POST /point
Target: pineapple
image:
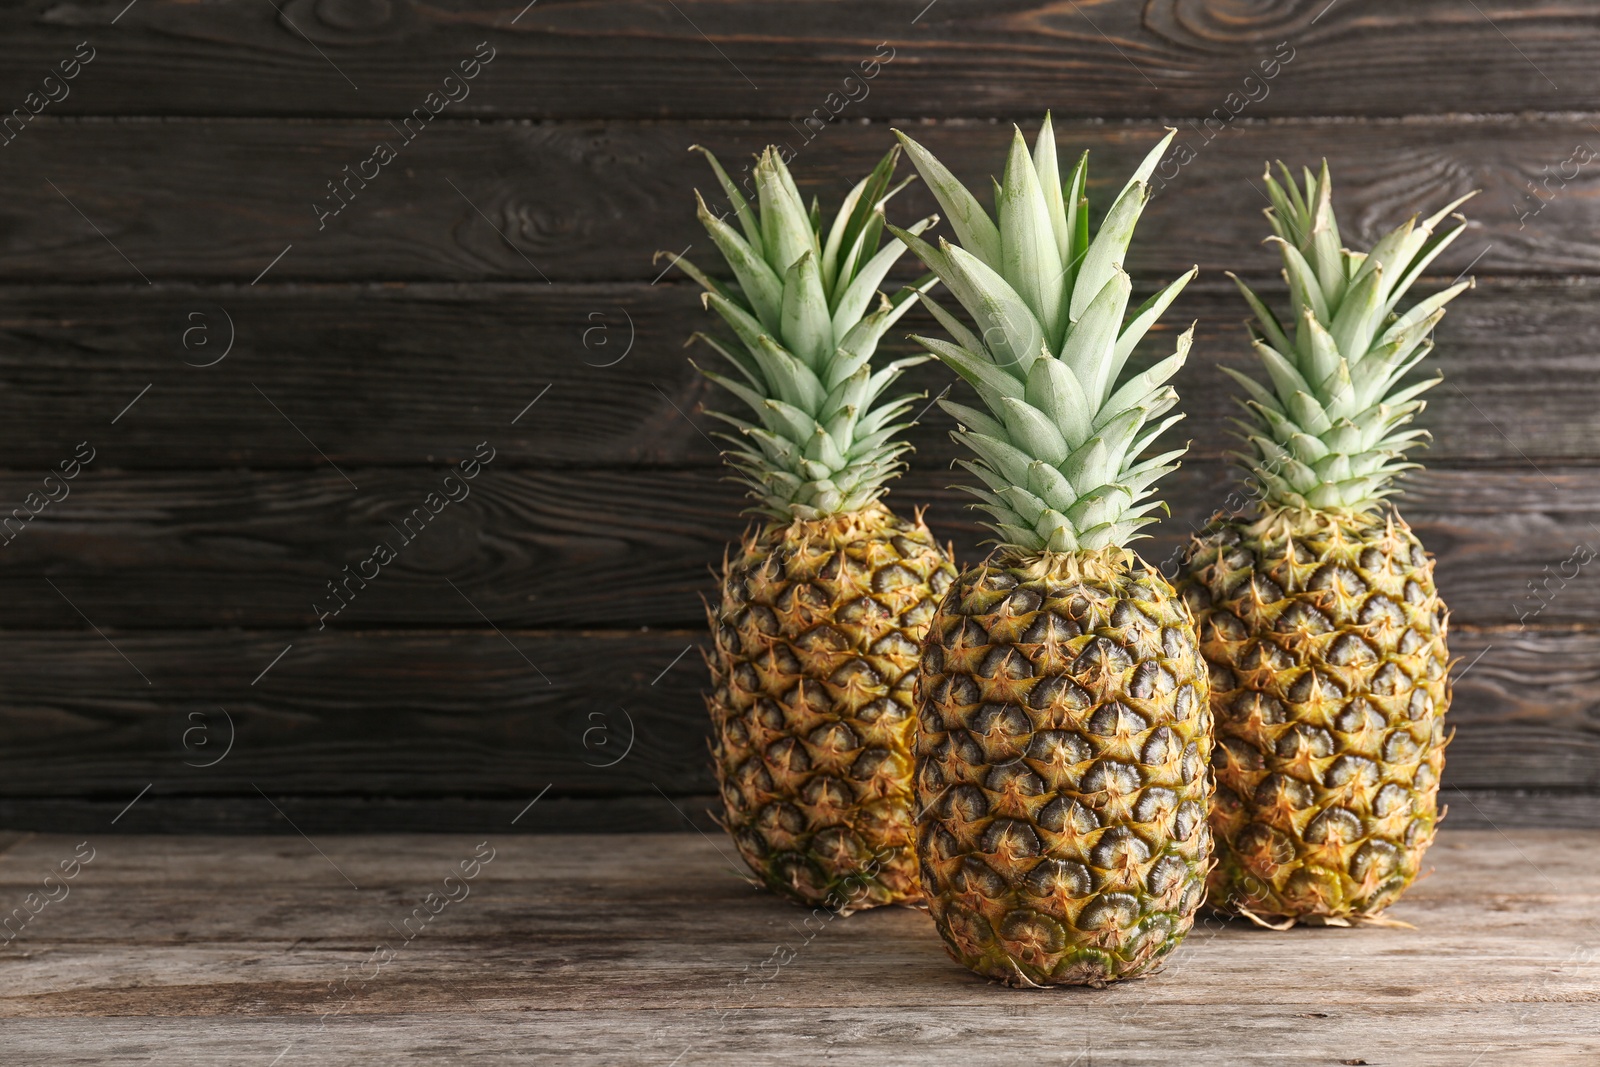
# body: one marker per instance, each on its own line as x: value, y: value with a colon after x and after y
x: 824, y: 605
x: 1064, y: 725
x: 1318, y: 612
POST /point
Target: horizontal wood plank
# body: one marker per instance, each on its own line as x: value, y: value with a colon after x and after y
x: 1551, y: 1034
x: 708, y: 58
x: 419, y: 374
x: 228, y: 813
x: 470, y: 714
x: 224, y: 199
x: 623, y: 548
x: 601, y: 949
x: 322, y: 813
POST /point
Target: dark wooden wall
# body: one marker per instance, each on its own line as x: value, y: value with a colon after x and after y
x: 162, y: 210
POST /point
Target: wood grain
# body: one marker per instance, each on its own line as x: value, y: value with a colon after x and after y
x: 603, y: 949
x: 394, y: 813
x: 1553, y: 1034
x: 716, y: 59
x: 652, y: 812
x: 221, y: 199
x: 468, y: 714
x: 495, y: 284
x: 621, y: 548
x: 419, y: 374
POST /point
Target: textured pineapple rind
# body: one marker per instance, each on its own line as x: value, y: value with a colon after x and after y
x: 1329, y: 684
x: 1064, y: 729
x: 816, y: 639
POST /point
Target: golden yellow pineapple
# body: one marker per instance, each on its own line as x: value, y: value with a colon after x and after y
x: 1064, y: 725
x: 817, y: 638
x: 822, y: 611
x: 1318, y: 612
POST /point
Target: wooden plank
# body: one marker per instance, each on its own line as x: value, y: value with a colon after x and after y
x: 620, y: 548
x: 1501, y: 809
x: 419, y: 374
x: 650, y: 812
x: 959, y: 57
x: 221, y: 199
x: 429, y: 713
x: 598, y: 949
x: 1213, y: 1036
x: 406, y: 713
x: 323, y: 813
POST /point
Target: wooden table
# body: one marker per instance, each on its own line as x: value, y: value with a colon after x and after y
x: 649, y: 949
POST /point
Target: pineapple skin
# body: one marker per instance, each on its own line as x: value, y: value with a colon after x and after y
x: 816, y: 640
x: 1064, y: 729
x: 1329, y: 685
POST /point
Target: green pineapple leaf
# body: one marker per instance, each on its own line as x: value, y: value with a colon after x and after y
x: 807, y: 316
x: 1044, y: 343
x: 1322, y: 430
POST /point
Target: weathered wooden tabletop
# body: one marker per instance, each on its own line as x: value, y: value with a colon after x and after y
x: 650, y: 949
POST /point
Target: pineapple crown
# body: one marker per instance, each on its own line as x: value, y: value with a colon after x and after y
x: 1330, y: 433
x: 804, y: 313
x: 1058, y: 447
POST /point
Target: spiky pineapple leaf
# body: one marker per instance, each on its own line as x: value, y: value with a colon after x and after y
x: 1322, y: 428
x: 1045, y: 341
x: 802, y: 308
